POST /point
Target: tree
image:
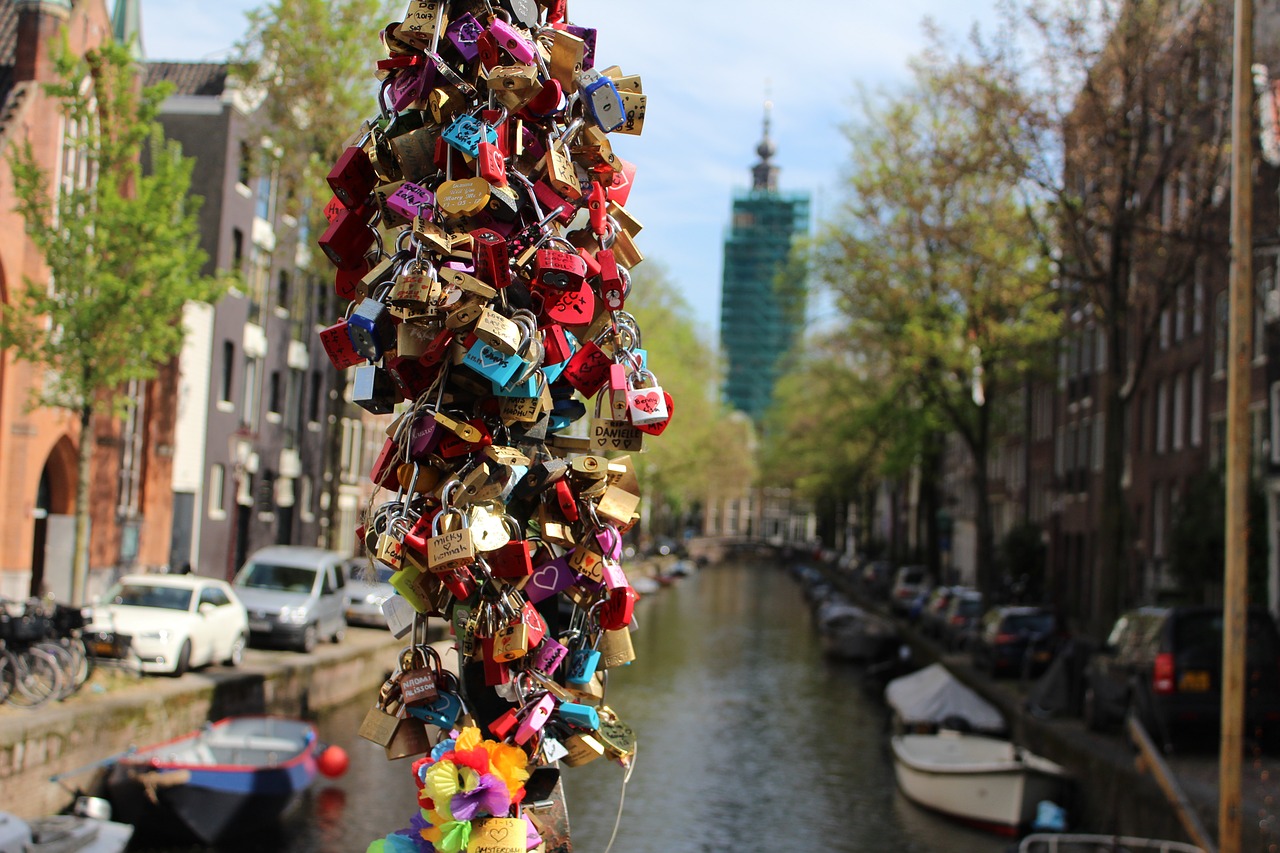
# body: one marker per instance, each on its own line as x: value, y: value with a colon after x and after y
x: 1114, y: 114
x: 706, y: 449
x: 314, y: 61
x: 121, y: 247
x: 1197, y: 540
x: 935, y: 265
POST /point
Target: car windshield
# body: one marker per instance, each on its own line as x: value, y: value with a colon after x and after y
x: 272, y: 576
x: 147, y: 595
x: 969, y: 606
x: 1198, y: 639
x: 1029, y: 623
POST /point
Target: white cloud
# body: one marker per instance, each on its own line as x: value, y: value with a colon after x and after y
x: 705, y: 67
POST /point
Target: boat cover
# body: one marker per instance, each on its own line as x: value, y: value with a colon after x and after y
x: 933, y: 694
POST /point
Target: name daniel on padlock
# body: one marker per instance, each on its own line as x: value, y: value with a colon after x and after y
x: 479, y: 231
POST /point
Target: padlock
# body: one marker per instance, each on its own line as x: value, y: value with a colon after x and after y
x: 336, y: 341
x: 587, y: 370
x: 444, y: 710
x: 503, y: 726
x: 617, y: 609
x: 644, y: 399
x: 449, y: 549
x: 352, y: 177
x: 603, y: 103
x: 616, y: 648
x: 511, y: 642
x: 410, y: 201
x: 579, y: 716
x: 371, y: 329
x: 491, y: 259
x: 617, y: 738
x: 373, y: 390
x: 582, y: 749
x: 510, y: 39
x: 548, y: 579
x: 583, y: 660
x: 462, y: 33
x: 547, y: 656
x: 347, y: 239
x: 419, y: 678
x: 424, y: 22
x: 498, y: 332
x: 380, y: 721
x: 634, y: 105
x: 533, y: 719
x: 410, y: 739
x: 560, y: 171
x: 609, y: 434
x: 513, y: 560
x: 513, y: 86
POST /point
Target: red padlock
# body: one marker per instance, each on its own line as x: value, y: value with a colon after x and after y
x: 559, y: 270
x: 384, y: 467
x: 511, y: 561
x: 556, y: 343
x: 347, y: 239
x: 438, y: 348
x: 574, y: 307
x: 352, y: 178
x: 337, y: 345
x: 491, y: 165
x: 411, y: 376
x: 588, y: 370
x: 495, y: 672
x: 616, y: 611
x: 566, y: 500
x: 598, y: 208
x: 491, y: 257
x: 502, y: 727
x: 611, y: 289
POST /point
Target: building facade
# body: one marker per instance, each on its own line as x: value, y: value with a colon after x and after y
x: 257, y: 457
x: 762, y: 308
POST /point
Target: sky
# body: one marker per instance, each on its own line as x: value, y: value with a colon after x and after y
x: 706, y: 68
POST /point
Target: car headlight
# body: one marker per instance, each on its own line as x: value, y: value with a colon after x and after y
x: 162, y: 635
x: 293, y: 615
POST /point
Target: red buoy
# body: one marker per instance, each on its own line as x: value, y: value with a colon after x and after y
x: 333, y: 762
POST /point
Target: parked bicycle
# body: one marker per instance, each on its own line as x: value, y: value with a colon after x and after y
x: 43, y: 656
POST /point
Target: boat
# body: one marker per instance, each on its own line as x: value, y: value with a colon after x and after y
x: 227, y: 778
x: 1052, y: 842
x: 850, y: 633
x: 983, y: 781
x: 933, y: 698
x: 62, y: 834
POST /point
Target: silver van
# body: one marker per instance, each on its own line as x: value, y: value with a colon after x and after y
x: 294, y: 596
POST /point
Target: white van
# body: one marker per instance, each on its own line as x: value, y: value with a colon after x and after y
x: 294, y: 596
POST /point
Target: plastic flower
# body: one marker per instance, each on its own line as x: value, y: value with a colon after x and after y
x: 442, y: 781
x: 468, y: 738
x: 450, y: 836
x: 509, y: 763
x: 489, y: 796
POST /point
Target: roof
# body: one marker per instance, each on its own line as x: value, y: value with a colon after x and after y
x: 189, y: 78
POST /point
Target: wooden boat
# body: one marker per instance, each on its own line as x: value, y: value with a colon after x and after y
x: 1052, y: 842
x: 62, y: 834
x: 932, y: 698
x: 848, y: 632
x: 228, y: 778
x: 986, y: 782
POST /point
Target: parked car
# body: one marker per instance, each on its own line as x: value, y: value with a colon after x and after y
x: 1017, y: 640
x: 961, y: 619
x: 1165, y: 665
x: 176, y: 621
x: 876, y: 576
x: 366, y: 588
x: 934, y: 610
x: 908, y: 583
x: 294, y: 596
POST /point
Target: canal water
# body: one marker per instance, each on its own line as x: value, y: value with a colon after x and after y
x: 749, y: 741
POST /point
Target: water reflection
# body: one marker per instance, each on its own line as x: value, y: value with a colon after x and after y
x: 749, y: 741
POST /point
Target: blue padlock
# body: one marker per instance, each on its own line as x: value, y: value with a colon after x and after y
x: 465, y: 133
x: 582, y: 666
x: 442, y: 713
x: 371, y: 329
x: 580, y: 716
x: 498, y: 367
x: 602, y: 100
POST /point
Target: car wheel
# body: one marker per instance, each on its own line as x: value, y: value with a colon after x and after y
x: 184, y: 659
x: 236, y: 656
x: 340, y: 633
x: 310, y: 636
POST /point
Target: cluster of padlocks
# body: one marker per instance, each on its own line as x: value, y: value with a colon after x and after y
x: 479, y: 231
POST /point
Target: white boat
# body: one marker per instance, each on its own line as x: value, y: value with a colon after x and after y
x: 62, y: 834
x: 1052, y: 842
x: 933, y: 698
x: 983, y: 781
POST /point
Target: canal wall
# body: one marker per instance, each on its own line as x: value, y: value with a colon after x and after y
x: 38, y: 744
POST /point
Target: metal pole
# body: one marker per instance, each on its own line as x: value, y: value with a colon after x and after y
x: 1240, y: 346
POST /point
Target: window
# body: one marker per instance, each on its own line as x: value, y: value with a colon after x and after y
x: 1157, y: 521
x: 1262, y: 287
x: 313, y: 402
x: 245, y: 160
x: 237, y: 250
x: 1179, y: 312
x: 282, y: 290
x: 1099, y: 439
x: 228, y: 371
x: 1220, y: 334
x: 1197, y: 299
x: 1217, y: 440
x: 217, y: 492
x: 1166, y: 325
x: 249, y: 406
x: 1179, y: 414
x: 1162, y: 416
x: 292, y: 392
x: 264, y: 207
x: 1197, y: 406
x: 306, y: 494
x: 274, y: 393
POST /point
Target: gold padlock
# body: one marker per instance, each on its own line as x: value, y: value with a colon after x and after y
x: 498, y: 835
x: 449, y: 549
x: 513, y: 86
x: 511, y: 643
x: 410, y: 739
x: 591, y: 692
x: 567, y: 54
x: 615, y: 648
x: 560, y: 171
x: 379, y: 724
x: 587, y: 562
x: 498, y: 332
x: 583, y: 749
x: 390, y: 550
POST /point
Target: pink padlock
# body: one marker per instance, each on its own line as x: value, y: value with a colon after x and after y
x: 612, y: 574
x: 535, y: 718
x: 510, y: 40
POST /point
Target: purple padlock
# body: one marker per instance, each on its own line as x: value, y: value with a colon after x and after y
x: 463, y: 33
x: 410, y: 84
x: 424, y: 435
x: 510, y: 40
x: 550, y: 578
x: 588, y: 36
x: 412, y: 200
x: 610, y: 542
x: 548, y: 656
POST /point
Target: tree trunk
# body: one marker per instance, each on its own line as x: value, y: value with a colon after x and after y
x: 80, y: 549
x: 980, y: 448
x: 1110, y: 569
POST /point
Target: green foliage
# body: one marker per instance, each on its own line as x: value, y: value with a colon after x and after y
x: 705, y: 447
x: 121, y: 246
x: 1197, y: 540
x: 313, y: 60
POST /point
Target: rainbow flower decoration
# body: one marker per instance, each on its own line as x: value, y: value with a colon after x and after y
x: 465, y: 778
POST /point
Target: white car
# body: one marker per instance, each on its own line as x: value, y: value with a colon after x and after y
x: 176, y: 621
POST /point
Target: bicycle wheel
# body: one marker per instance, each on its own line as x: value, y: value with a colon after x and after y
x: 84, y: 656
x: 8, y: 673
x: 67, y: 665
x: 39, y: 678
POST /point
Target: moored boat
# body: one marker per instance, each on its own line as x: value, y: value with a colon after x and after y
x: 1052, y: 842
x: 62, y: 834
x: 228, y: 778
x: 986, y: 782
x: 933, y: 698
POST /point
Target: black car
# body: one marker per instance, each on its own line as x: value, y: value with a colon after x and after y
x: 1019, y: 640
x: 1165, y: 665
